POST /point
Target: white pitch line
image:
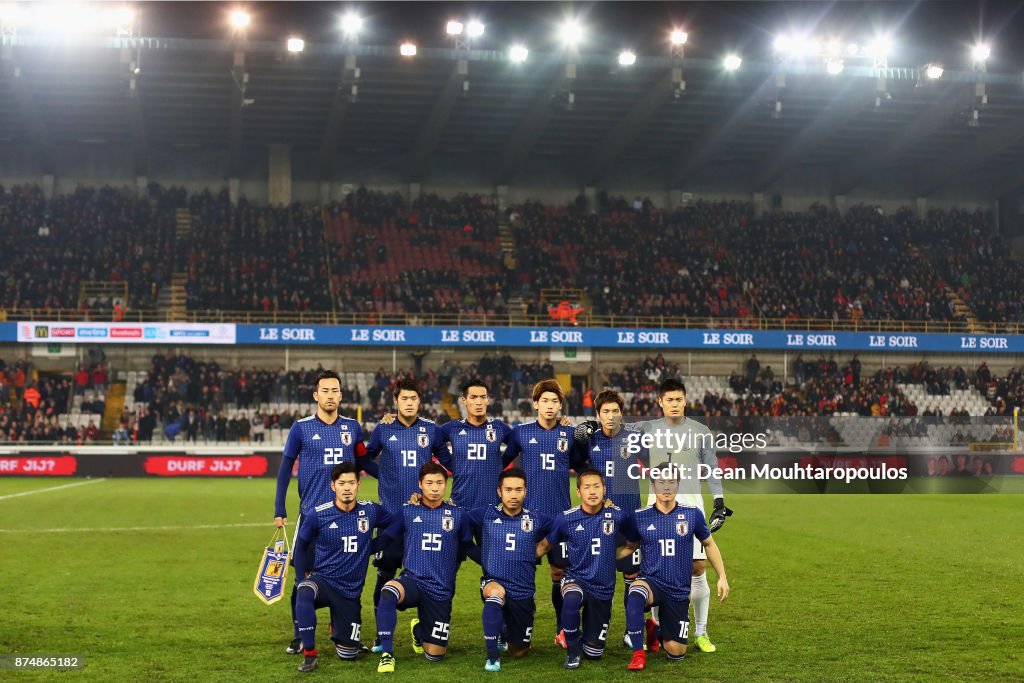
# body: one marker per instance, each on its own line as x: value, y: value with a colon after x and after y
x: 51, y: 488
x: 68, y: 530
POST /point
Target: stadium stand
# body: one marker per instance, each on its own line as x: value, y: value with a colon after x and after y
x: 51, y: 408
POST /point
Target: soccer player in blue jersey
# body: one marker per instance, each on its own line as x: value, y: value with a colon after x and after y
x: 435, y: 536
x: 609, y: 450
x: 319, y: 442
x: 341, y: 534
x: 401, y: 449
x: 665, y: 532
x: 546, y: 452
x: 589, y: 532
x: 507, y: 536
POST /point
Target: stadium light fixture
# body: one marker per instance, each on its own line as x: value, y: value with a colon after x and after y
x: 351, y: 24
x: 474, y: 29
x: 407, y: 49
x: 678, y: 37
x: 518, y: 54
x: 933, y: 71
x: 627, y: 58
x: 732, y: 62
x: 879, y: 48
x: 240, y: 20
x: 782, y: 44
x: 296, y: 45
x: 454, y: 28
x: 570, y: 33
x: 834, y: 66
x: 981, y: 52
x: 852, y: 49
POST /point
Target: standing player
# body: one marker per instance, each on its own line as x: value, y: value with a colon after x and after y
x: 507, y: 536
x: 546, y: 452
x: 589, y: 531
x: 698, y: 447
x: 609, y: 451
x: 320, y: 442
x: 401, y: 449
x: 434, y: 536
x: 664, y: 533
x: 341, y: 532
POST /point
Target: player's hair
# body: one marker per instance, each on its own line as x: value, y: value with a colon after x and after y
x: 344, y: 468
x: 551, y: 385
x: 433, y: 468
x: 671, y: 384
x: 608, y: 396
x: 511, y: 473
x: 326, y: 374
x: 470, y: 383
x: 407, y: 384
x: 589, y: 472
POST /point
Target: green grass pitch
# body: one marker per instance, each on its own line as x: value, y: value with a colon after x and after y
x: 837, y: 587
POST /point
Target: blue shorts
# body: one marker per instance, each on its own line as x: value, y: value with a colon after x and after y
x: 346, y: 613
x: 435, y: 615
x: 673, y: 615
x: 597, y: 614
x: 518, y: 615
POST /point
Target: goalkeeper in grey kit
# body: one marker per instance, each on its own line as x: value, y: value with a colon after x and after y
x: 692, y: 445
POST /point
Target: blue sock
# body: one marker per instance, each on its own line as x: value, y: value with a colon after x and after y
x: 636, y: 603
x: 295, y: 619
x: 556, y: 602
x: 572, y: 601
x: 387, y: 618
x: 305, y: 615
x: 492, y: 619
x: 382, y: 578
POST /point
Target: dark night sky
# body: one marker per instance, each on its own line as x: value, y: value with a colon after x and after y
x: 923, y: 31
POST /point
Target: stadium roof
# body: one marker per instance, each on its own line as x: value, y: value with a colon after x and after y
x: 770, y: 125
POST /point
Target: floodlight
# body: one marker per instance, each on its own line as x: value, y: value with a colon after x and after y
x: 518, y: 54
x: 981, y: 52
x: 351, y: 24
x: 240, y: 19
x: 474, y: 29
x: 933, y: 71
x: 732, y: 62
x: 834, y: 66
x: 627, y: 58
x: 454, y: 28
x: 407, y: 49
x: 678, y: 37
x: 570, y: 33
x: 296, y: 45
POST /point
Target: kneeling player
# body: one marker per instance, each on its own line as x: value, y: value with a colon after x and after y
x: 435, y: 538
x: 341, y: 532
x: 589, y: 532
x: 508, y: 536
x: 664, y: 532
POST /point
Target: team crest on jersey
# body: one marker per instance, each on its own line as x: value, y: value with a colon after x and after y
x: 363, y: 524
x: 682, y: 528
x: 447, y: 523
x: 423, y: 440
x: 563, y: 445
x: 492, y: 435
x: 624, y: 451
x: 346, y: 438
x: 527, y: 524
x: 608, y: 527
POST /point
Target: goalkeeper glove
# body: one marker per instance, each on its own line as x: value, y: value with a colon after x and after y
x: 585, y: 430
x: 717, y: 518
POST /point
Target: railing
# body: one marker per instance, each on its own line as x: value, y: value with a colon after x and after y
x: 516, y: 320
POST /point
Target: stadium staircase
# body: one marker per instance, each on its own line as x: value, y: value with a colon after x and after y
x: 508, y: 242
x: 172, y: 300
x: 448, y: 404
x: 960, y: 306
x: 112, y: 410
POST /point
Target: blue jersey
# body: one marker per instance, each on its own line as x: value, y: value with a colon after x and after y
x: 546, y: 455
x: 402, y: 451
x: 508, y: 547
x: 476, y: 460
x: 590, y: 546
x: 319, y: 447
x: 343, y: 541
x: 610, y: 457
x: 666, y: 543
x: 435, y: 539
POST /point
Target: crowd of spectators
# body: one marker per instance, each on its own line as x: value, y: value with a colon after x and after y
x: 49, y: 247
x: 31, y: 404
